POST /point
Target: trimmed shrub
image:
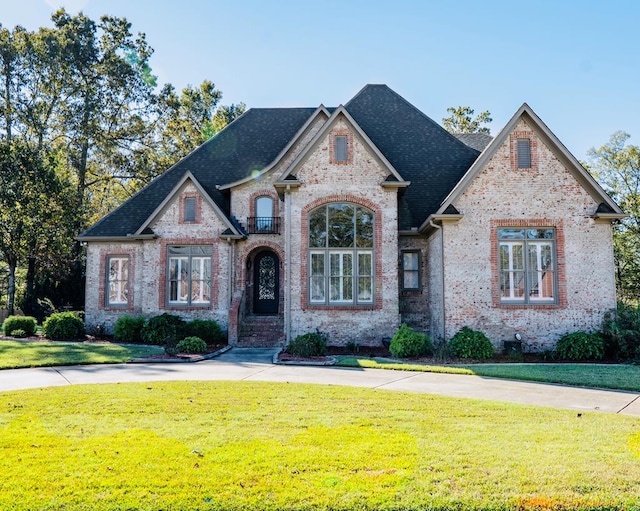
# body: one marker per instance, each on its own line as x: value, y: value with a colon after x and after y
x: 580, y: 346
x: 621, y: 332
x: 14, y: 323
x: 63, y: 326
x: 192, y: 344
x: 313, y: 344
x: 407, y: 343
x: 19, y: 333
x: 473, y: 344
x: 128, y: 328
x: 163, y: 330
x: 207, y: 329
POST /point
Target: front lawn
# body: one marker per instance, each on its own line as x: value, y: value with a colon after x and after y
x: 14, y: 354
x: 609, y: 376
x: 282, y: 446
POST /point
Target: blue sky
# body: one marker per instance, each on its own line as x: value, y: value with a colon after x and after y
x: 574, y: 62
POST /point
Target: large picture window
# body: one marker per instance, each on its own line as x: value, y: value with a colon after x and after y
x: 189, y: 275
x: 527, y: 265
x: 117, y: 293
x: 341, y: 255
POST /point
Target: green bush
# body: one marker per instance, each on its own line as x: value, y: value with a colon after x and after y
x: 19, y: 333
x: 192, y: 344
x: 25, y: 323
x: 313, y: 344
x: 407, y: 343
x: 580, y: 346
x: 468, y: 343
x: 63, y: 326
x: 208, y: 330
x: 128, y: 328
x: 163, y: 330
x: 621, y: 332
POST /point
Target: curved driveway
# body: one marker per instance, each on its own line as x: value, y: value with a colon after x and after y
x: 256, y: 365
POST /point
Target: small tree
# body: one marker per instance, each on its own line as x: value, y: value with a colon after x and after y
x: 461, y: 120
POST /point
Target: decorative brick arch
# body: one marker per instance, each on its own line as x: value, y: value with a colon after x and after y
x: 251, y: 249
x: 377, y: 248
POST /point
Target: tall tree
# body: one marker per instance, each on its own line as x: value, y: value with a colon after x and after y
x: 616, y: 165
x: 32, y: 203
x: 461, y: 120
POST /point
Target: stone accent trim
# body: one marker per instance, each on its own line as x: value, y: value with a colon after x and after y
x: 558, y: 225
x: 304, y: 252
x: 162, y: 270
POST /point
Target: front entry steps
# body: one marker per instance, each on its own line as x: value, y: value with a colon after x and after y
x: 261, y: 332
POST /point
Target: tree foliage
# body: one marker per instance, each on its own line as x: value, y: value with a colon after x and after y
x: 79, y: 100
x: 461, y: 120
x: 616, y: 165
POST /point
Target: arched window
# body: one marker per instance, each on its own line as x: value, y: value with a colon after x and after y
x: 341, y: 255
x: 263, y: 222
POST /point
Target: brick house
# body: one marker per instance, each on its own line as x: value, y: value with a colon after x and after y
x: 351, y: 220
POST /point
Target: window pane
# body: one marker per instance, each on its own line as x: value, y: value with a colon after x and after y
x: 317, y: 289
x: 264, y: 207
x: 364, y: 264
x: 347, y: 264
x: 317, y: 264
x: 533, y: 234
x: 364, y: 227
x: 511, y: 234
x: 411, y: 280
x: 410, y: 260
x: 318, y: 228
x: 365, y: 289
x: 341, y: 225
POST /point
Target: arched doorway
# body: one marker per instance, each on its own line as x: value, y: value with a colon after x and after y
x: 266, y: 283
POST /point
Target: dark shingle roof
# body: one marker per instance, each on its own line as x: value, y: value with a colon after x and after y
x: 249, y: 143
x: 477, y: 141
x: 419, y: 149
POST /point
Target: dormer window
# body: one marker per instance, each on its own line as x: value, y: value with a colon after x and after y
x: 524, y: 153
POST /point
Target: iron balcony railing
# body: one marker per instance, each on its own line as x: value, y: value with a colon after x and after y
x: 263, y: 225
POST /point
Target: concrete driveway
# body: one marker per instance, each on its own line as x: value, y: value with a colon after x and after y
x: 255, y: 364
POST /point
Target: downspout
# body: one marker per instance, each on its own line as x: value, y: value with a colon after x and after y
x: 287, y: 268
x: 232, y: 273
x: 287, y: 249
x: 444, y: 312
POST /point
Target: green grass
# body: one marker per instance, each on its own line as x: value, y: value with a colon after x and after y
x: 610, y: 376
x: 278, y: 446
x: 14, y: 354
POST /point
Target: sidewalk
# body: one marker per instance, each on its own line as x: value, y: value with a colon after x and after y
x: 256, y: 365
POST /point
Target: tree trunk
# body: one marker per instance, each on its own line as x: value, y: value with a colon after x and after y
x: 12, y: 285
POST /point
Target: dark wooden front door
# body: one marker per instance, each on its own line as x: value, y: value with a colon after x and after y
x: 266, y: 283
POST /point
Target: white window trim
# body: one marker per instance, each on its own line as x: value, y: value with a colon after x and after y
x: 121, y: 284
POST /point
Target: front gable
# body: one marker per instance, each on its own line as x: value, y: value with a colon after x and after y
x: 186, y: 211
x: 341, y: 152
x: 502, y: 159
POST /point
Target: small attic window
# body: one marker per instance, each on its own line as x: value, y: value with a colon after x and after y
x: 340, y: 147
x: 190, y: 209
x: 524, y: 153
